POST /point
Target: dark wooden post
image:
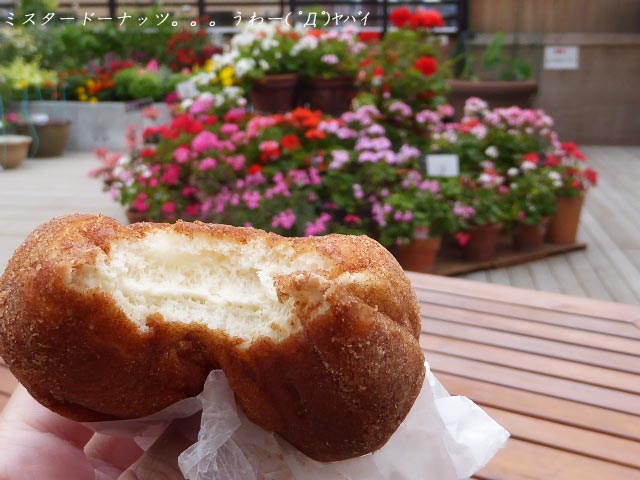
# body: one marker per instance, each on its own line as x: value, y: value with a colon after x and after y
x: 463, y: 16
x: 201, y: 8
x: 113, y: 8
x: 385, y: 16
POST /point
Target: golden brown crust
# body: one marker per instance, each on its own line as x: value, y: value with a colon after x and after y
x: 338, y: 388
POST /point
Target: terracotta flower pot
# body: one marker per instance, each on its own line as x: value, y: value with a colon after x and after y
x: 275, y: 93
x: 530, y: 237
x: 331, y: 95
x: 420, y: 255
x: 495, y: 93
x: 13, y: 150
x: 134, y: 216
x: 50, y: 137
x: 482, y: 242
x: 563, y: 227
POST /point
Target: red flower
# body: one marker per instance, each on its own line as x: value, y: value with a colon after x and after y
x: 531, y: 157
x: 553, y: 161
x: 254, y: 169
x: 401, y: 17
x: 366, y: 62
x: 350, y: 218
x: 148, y: 152
x: 572, y: 150
x: 315, y: 134
x: 424, y: 18
x: 291, y: 142
x: 592, y: 176
x: 427, y: 65
x: 378, y: 71
x: 187, y: 124
x: 368, y: 37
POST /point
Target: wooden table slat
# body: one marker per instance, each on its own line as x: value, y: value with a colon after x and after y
x: 549, y: 348
x: 435, y: 300
x: 536, y: 405
x: 517, y: 296
x: 534, y: 382
x: 599, y: 376
x: 529, y: 461
x: 536, y: 330
x: 571, y: 439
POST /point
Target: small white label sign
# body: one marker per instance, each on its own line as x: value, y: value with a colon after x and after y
x: 561, y: 58
x: 443, y: 165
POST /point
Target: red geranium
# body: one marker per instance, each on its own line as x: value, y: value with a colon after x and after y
x: 291, y: 142
x: 531, y: 157
x: 370, y: 36
x: 424, y: 18
x: 591, y: 175
x: 253, y: 169
x: 427, y: 65
x: 401, y: 17
x: 572, y: 150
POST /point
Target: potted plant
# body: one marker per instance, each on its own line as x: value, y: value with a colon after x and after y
x: 502, y: 79
x: 13, y: 148
x: 260, y: 57
x: 417, y: 217
x: 531, y: 202
x: 572, y: 182
x: 405, y: 64
x: 479, y: 208
x: 329, y: 67
x: 49, y: 134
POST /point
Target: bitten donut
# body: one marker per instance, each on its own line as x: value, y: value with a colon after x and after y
x: 318, y: 337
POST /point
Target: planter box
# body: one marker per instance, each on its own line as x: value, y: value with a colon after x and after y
x: 93, y: 125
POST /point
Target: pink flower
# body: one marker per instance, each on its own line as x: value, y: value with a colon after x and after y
x: 152, y: 66
x: 140, y: 204
x: 350, y: 218
x: 202, y: 104
x: 182, y: 154
x: 152, y: 113
x: 205, y: 141
x: 285, y: 219
x: 194, y: 209
x: 463, y: 238
x: 252, y: 199
x: 237, y: 162
x: 172, y: 175
x: 229, y: 128
x: 208, y: 164
x: 169, y: 207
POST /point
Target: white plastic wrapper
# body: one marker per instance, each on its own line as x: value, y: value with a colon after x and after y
x: 443, y: 437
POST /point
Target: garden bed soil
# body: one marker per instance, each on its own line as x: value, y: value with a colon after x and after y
x: 451, y: 263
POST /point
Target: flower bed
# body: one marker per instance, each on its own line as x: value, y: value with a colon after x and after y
x: 303, y: 173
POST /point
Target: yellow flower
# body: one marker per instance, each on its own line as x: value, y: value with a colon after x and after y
x: 23, y: 84
x: 80, y: 90
x: 82, y: 97
x: 208, y: 66
x: 226, y: 76
x: 93, y: 100
x: 91, y: 83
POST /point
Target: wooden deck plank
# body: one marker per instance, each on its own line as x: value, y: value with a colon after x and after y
x: 543, y: 278
x: 535, y: 405
x: 520, y: 276
x: 535, y: 382
x: 589, y: 356
x: 589, y: 279
x: 554, y: 367
x: 564, y: 275
x: 598, y: 324
x: 616, y: 286
x: 499, y: 276
x: 551, y: 302
x: 570, y: 439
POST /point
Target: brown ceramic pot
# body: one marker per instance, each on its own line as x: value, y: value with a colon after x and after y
x: 530, y: 237
x: 51, y: 137
x: 331, y: 95
x: 495, y: 93
x: 13, y: 150
x: 420, y: 255
x: 275, y: 93
x: 563, y: 227
x: 134, y: 216
x: 483, y: 242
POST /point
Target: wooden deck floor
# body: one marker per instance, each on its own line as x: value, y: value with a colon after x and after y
x: 609, y: 269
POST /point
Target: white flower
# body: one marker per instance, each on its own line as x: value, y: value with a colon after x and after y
x: 492, y: 152
x: 527, y: 165
x: 514, y: 186
x: 554, y: 175
x: 264, y: 64
x: 186, y: 103
x: 244, y: 66
x: 512, y: 172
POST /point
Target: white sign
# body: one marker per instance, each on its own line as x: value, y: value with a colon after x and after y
x: 443, y: 165
x: 561, y: 58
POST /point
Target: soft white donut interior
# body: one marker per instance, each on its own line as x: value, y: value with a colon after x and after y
x: 221, y: 283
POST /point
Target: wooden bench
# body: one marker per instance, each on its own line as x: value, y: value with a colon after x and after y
x: 561, y: 373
